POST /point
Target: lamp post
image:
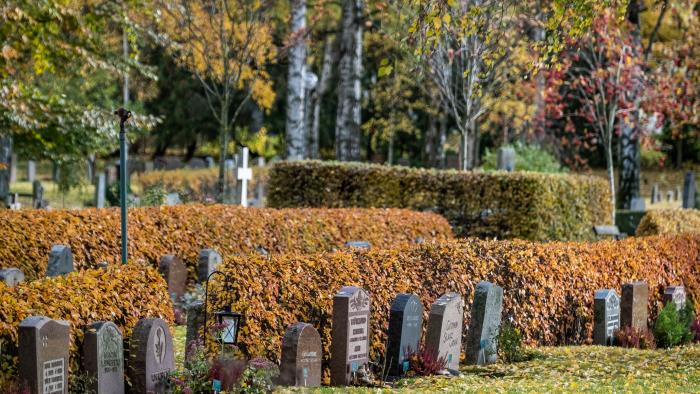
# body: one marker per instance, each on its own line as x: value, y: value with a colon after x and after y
x: 124, y: 115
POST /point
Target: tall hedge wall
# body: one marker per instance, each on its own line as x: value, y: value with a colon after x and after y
x: 521, y: 205
x: 122, y: 294
x: 548, y: 287
x: 93, y: 234
x: 669, y: 221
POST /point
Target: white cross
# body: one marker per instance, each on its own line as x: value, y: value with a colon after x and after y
x: 244, y: 174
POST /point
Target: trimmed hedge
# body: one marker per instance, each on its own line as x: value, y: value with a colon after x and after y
x: 184, y: 230
x: 523, y: 205
x: 122, y: 294
x: 548, y: 287
x: 670, y: 221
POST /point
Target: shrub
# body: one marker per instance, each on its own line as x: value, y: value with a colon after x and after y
x: 669, y: 221
x: 425, y: 362
x: 93, y: 234
x: 527, y: 158
x: 510, y: 344
x: 544, y: 283
x: 672, y: 326
x: 630, y: 337
x: 521, y: 205
x: 122, y: 294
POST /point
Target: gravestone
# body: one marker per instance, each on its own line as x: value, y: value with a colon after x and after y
x: 669, y: 195
x: 60, y: 261
x: 485, y: 324
x: 43, y: 355
x: 444, y: 332
x: 102, y: 265
x: 358, y: 244
x: 689, y: 190
x: 606, y: 316
x: 405, y: 328
x: 675, y: 294
x: 13, y: 168
x: 11, y: 277
x: 5, y: 164
x: 31, y: 171
x: 633, y: 310
x: 55, y: 172
x: 301, y: 356
x: 100, y: 191
x: 637, y: 204
x: 655, y: 194
x: 150, y: 356
x: 350, y: 334
x: 195, y: 324
x: 175, y: 273
x: 197, y: 163
x: 679, y: 193
x: 210, y: 162
x: 209, y: 259
x: 506, y: 159
x: 112, y: 174
x: 15, y: 204
x: 244, y: 174
x: 148, y: 166
x: 103, y: 357
x: 172, y: 199
x: 38, y: 195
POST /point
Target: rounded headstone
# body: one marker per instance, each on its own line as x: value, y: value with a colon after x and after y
x: 103, y: 357
x: 301, y: 356
x: 11, y: 276
x: 150, y: 356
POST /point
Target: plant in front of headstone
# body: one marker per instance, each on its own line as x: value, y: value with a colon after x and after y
x: 510, y: 344
x: 425, y: 362
x: 672, y: 326
x: 633, y: 337
x: 259, y: 376
x: 195, y: 377
x: 81, y: 383
x: 154, y: 196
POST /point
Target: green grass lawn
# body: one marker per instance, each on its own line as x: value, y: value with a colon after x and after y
x: 75, y: 198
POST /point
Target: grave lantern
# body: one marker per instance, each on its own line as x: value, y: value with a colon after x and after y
x: 230, y: 323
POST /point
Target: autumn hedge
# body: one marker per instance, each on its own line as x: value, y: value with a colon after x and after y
x: 548, y: 287
x: 93, y: 234
x: 521, y: 205
x: 122, y: 294
x: 669, y: 221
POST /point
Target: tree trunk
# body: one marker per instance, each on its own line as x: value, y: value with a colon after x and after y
x: 441, y: 154
x: 223, y: 148
x: 611, y: 173
x: 430, y: 137
x: 348, y: 120
x: 329, y: 53
x: 296, y: 135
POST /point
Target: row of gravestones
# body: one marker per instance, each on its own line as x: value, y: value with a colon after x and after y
x: 687, y: 195
x: 44, y: 356
x: 302, y: 347
x: 612, y: 313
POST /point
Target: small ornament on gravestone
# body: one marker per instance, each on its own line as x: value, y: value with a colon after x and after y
x: 60, y: 261
x: 301, y: 356
x: 633, y: 310
x: 175, y: 273
x: 405, y: 329
x: 675, y: 294
x: 209, y: 259
x: 195, y: 324
x: 506, y: 159
x: 444, y: 332
x: 350, y: 334
x: 150, y: 356
x: 689, y: 190
x: 606, y: 316
x: 11, y: 277
x: 482, y: 346
x: 43, y: 355
x: 358, y: 245
x: 103, y: 357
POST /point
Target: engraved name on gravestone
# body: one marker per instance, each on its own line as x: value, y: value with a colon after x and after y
x: 11, y: 276
x: 606, y: 316
x: 405, y: 328
x: 633, y: 310
x: 150, y: 356
x: 43, y: 355
x: 60, y: 261
x: 485, y: 324
x: 675, y: 294
x: 175, y: 273
x: 301, y: 356
x: 444, y: 332
x: 350, y: 334
x: 209, y: 259
x: 103, y: 357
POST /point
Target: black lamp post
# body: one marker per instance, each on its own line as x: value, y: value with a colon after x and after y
x: 230, y: 321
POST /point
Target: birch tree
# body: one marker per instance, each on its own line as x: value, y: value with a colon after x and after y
x: 349, y: 115
x: 296, y: 92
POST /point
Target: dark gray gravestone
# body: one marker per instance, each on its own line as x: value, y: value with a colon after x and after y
x: 350, y: 334
x: 31, y: 171
x: 195, y: 324
x: 38, y: 195
x: 209, y: 259
x: 606, y: 316
x: 358, y: 244
x: 60, y: 261
x: 485, y: 324
x: 675, y: 294
x: 102, y: 265
x: 103, y: 357
x: 444, y: 332
x: 669, y: 195
x: 43, y: 355
x: 405, y: 328
x: 11, y: 276
x: 175, y: 273
x: 655, y: 194
x: 506, y: 159
x: 5, y: 164
x: 150, y: 356
x: 633, y: 310
x: 689, y: 191
x: 301, y: 356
